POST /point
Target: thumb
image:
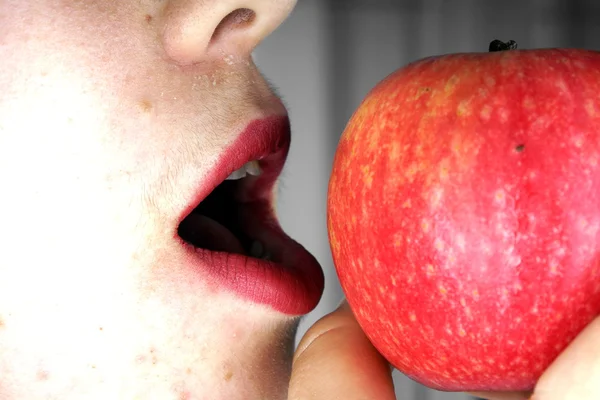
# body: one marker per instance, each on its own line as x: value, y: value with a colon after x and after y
x: 575, y: 374
x: 335, y: 360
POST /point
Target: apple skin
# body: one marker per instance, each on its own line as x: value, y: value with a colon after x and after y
x: 464, y: 214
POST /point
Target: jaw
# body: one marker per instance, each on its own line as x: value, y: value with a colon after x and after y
x: 215, y: 352
x: 153, y: 337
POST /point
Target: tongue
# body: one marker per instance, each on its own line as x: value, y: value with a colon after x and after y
x: 207, y: 233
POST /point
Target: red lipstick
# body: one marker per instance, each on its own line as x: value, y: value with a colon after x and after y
x: 291, y: 280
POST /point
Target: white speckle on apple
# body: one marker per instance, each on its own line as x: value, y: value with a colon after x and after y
x: 486, y: 248
x: 436, y: 197
x: 438, y: 244
x: 590, y: 108
x: 463, y: 109
x: 460, y: 242
x: 504, y: 115
x: 539, y: 340
x: 560, y: 250
x: 532, y: 175
x: 425, y: 225
x: 528, y: 102
x: 578, y: 141
x: 562, y: 85
x: 553, y: 265
x: 468, y: 313
x: 513, y: 260
x: 442, y: 289
x: 500, y: 197
x: 486, y: 112
x: 429, y: 270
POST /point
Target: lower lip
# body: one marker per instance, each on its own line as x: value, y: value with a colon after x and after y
x: 294, y: 285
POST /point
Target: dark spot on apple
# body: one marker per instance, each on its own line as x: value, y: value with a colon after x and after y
x: 101, y: 329
x: 499, y: 45
x: 520, y: 148
x: 148, y: 18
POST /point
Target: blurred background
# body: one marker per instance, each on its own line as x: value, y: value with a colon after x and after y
x: 326, y: 57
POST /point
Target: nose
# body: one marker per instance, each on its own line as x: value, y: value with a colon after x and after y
x: 198, y: 30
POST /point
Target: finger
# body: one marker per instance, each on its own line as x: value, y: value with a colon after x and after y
x: 502, y: 395
x: 575, y: 374
x: 335, y: 360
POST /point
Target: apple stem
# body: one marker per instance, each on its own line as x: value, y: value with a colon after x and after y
x: 499, y: 45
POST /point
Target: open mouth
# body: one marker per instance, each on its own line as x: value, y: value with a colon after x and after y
x: 230, y: 231
x: 218, y: 223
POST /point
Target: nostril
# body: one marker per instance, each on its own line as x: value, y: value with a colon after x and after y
x: 238, y: 19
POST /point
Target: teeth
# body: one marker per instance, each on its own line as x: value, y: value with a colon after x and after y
x: 250, y: 168
x: 253, y: 168
x: 238, y: 174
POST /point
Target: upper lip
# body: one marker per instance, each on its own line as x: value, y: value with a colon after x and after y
x: 267, y: 140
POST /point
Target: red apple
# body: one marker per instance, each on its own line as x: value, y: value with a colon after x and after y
x: 464, y: 214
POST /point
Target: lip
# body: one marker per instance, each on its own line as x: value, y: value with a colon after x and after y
x: 292, y: 286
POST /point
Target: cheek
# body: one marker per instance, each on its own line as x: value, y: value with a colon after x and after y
x: 65, y: 189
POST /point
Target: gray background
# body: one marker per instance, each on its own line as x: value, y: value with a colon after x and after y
x: 329, y: 54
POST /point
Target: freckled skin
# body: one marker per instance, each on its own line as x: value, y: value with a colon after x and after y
x: 464, y: 214
x: 113, y: 113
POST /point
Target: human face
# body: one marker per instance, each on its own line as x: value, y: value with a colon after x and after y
x: 117, y: 118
